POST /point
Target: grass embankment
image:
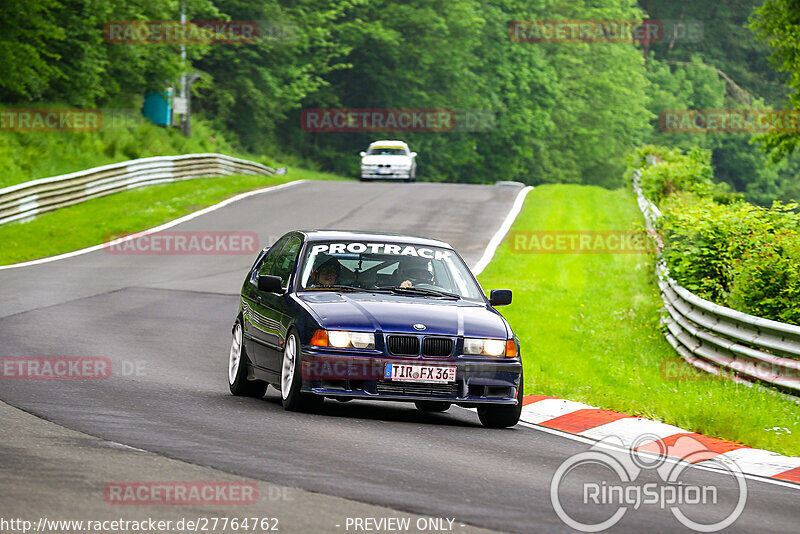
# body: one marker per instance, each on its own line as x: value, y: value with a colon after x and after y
x: 590, y: 332
x: 26, y: 156
x: 92, y: 222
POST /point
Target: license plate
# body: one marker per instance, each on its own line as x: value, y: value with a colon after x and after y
x: 420, y: 373
x: 384, y: 171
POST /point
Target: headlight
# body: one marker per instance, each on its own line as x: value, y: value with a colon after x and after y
x: 490, y: 347
x: 341, y: 340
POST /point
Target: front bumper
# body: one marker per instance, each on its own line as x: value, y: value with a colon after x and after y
x: 397, y: 174
x: 358, y: 376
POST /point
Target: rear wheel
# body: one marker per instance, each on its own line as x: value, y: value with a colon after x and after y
x: 432, y: 406
x: 237, y: 369
x: 292, y: 397
x: 502, y: 416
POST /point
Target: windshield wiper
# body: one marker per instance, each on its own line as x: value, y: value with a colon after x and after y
x: 341, y: 287
x: 421, y: 291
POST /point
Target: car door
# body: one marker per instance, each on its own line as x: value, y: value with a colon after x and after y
x: 254, y: 322
x: 274, y: 307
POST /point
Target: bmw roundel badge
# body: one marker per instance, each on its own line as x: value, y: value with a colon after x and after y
x: 420, y: 326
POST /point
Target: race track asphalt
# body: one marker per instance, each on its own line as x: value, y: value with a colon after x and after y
x: 164, y: 321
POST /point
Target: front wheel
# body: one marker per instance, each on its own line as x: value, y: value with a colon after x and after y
x: 237, y: 369
x: 502, y: 416
x: 292, y: 398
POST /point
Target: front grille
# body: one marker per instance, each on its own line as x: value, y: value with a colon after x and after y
x: 437, y: 346
x: 418, y: 389
x: 403, y: 345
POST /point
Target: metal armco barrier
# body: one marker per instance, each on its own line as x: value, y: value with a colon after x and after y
x: 720, y: 340
x: 32, y: 198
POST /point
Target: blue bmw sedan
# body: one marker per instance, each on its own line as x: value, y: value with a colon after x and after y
x: 357, y: 315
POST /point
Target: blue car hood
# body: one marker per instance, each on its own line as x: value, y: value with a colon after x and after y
x: 399, y: 313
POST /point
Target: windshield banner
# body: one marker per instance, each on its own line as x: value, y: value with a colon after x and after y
x: 381, y: 248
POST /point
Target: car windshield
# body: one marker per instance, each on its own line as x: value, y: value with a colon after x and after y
x: 386, y: 151
x: 414, y: 270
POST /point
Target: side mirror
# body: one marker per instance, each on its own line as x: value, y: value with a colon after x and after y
x: 362, y: 153
x: 413, y: 154
x: 500, y: 297
x: 270, y: 284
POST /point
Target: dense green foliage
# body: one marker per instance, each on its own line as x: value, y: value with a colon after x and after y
x: 562, y: 112
x: 589, y: 327
x: 728, y: 68
x: 25, y: 156
x: 722, y: 248
x: 777, y: 23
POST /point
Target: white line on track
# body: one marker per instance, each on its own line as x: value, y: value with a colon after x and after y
x: 160, y: 228
x: 497, y: 238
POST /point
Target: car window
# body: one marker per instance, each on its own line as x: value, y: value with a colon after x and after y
x: 386, y: 151
x: 269, y: 258
x: 284, y: 263
x: 376, y: 265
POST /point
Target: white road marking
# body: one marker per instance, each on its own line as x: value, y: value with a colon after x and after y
x: 498, y: 237
x: 160, y: 228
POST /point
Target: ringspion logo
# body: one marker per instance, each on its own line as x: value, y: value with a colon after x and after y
x: 616, y: 477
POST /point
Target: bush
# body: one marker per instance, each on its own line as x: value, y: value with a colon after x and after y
x: 720, y: 247
x: 678, y: 173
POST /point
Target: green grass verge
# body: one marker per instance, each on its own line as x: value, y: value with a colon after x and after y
x: 589, y: 328
x: 92, y: 222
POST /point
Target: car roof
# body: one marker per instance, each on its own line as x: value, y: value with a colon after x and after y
x: 347, y: 235
x: 389, y: 143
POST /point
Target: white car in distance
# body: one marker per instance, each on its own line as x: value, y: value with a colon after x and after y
x: 388, y: 160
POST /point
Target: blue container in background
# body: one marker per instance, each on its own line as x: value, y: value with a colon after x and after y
x: 157, y: 107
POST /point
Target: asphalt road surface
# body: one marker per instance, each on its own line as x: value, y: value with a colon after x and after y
x: 164, y: 322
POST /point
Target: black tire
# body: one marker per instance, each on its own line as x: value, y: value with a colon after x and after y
x: 237, y: 371
x: 293, y: 399
x: 432, y: 406
x: 502, y: 416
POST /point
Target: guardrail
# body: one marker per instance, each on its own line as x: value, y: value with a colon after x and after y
x: 720, y: 340
x: 32, y: 198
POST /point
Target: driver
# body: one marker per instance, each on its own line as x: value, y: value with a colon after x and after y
x: 414, y: 271
x: 327, y: 274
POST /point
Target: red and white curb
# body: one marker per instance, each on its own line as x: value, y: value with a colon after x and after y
x: 596, y: 424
